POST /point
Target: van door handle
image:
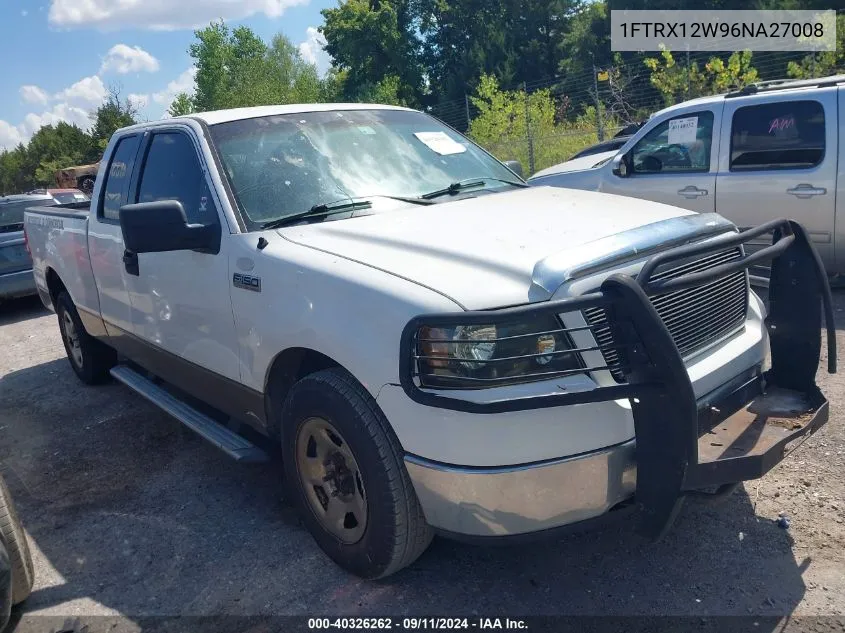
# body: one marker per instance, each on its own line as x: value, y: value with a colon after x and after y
x: 806, y: 191
x: 692, y: 192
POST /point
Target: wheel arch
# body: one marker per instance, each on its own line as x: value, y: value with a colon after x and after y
x: 55, y: 285
x: 287, y: 367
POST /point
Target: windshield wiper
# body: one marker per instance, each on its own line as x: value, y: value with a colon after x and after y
x: 324, y: 209
x: 467, y: 183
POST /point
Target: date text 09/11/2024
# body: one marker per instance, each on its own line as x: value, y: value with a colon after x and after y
x: 429, y: 623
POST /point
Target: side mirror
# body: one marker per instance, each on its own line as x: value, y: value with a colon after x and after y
x: 156, y: 227
x: 515, y: 166
x: 619, y: 165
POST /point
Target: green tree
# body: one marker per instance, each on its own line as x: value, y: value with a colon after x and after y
x: 676, y: 82
x: 822, y: 64
x: 372, y: 40
x: 236, y: 68
x: 112, y: 115
x: 183, y: 104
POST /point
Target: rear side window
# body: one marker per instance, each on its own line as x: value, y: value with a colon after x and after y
x: 782, y: 135
x: 172, y: 172
x: 117, y: 178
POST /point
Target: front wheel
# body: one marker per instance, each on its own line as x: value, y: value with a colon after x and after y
x: 344, y: 465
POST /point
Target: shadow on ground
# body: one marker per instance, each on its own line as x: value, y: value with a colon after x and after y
x: 132, y: 511
x: 17, y: 310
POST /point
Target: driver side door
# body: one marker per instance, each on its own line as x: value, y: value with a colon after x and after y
x: 674, y: 161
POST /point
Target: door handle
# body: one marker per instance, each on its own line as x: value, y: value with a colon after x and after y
x: 805, y: 191
x: 130, y: 263
x: 692, y: 192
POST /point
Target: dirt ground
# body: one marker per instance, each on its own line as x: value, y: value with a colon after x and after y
x: 129, y: 514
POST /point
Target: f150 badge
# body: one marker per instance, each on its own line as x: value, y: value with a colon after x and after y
x: 246, y: 282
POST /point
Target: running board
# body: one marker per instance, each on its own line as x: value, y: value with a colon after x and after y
x: 222, y: 437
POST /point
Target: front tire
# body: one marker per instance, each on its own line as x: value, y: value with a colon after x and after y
x: 89, y: 358
x: 344, y: 466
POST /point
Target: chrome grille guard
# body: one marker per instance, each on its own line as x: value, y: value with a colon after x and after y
x: 683, y: 445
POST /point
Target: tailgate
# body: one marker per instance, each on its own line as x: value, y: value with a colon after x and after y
x: 13, y: 254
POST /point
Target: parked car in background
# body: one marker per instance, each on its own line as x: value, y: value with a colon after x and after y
x: 434, y: 345
x: 63, y: 196
x: 81, y: 177
x: 770, y: 150
x: 612, y: 144
x: 16, y: 570
x: 15, y: 263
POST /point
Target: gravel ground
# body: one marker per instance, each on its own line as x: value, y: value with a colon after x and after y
x: 129, y: 514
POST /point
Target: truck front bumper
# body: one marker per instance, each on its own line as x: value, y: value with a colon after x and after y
x: 512, y: 500
x: 682, y: 445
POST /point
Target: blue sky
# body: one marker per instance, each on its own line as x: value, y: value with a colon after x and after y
x: 58, y: 57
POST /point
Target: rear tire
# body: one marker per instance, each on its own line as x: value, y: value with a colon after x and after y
x: 89, y: 358
x: 15, y: 540
x: 387, y: 529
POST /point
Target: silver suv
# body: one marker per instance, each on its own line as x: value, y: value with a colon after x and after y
x: 770, y: 150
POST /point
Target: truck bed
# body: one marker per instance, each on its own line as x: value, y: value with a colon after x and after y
x: 65, y: 229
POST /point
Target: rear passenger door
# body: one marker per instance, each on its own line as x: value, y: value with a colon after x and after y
x: 779, y: 161
x: 105, y: 239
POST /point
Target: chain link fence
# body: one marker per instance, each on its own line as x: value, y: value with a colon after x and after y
x: 600, y: 103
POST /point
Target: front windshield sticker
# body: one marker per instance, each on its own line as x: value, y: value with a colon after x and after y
x: 366, y: 129
x: 682, y: 131
x: 440, y: 142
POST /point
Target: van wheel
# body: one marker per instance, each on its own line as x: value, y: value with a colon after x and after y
x: 344, y: 466
x: 15, y: 540
x: 90, y: 359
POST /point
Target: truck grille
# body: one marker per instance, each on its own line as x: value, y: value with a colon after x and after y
x: 695, y: 317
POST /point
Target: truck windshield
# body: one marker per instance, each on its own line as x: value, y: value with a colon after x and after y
x: 286, y: 164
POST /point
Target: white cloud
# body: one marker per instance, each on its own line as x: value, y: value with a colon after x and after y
x: 10, y: 136
x: 183, y: 83
x: 24, y: 12
x: 313, y: 50
x: 33, y: 94
x: 139, y: 101
x: 158, y: 14
x: 72, y: 105
x: 89, y: 92
x: 124, y: 59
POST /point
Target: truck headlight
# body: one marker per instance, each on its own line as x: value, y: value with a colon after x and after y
x: 463, y: 356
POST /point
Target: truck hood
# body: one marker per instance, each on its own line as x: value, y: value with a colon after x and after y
x: 494, y: 250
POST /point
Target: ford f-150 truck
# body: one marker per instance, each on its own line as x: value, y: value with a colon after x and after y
x: 436, y: 346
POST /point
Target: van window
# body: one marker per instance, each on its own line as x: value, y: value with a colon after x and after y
x: 117, y: 178
x: 172, y: 172
x: 680, y: 144
x: 781, y: 135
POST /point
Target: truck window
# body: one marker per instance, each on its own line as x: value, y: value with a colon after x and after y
x: 117, y: 178
x: 679, y: 144
x: 781, y: 135
x: 172, y: 172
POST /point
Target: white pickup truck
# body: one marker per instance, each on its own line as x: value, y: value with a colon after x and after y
x: 435, y: 345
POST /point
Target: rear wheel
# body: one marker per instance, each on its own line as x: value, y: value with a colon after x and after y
x: 89, y: 358
x: 345, y: 468
x: 15, y: 540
